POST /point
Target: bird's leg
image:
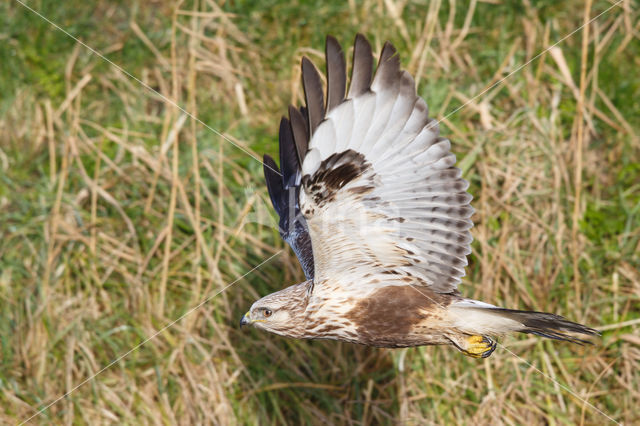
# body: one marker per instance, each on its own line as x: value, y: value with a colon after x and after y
x: 475, y: 346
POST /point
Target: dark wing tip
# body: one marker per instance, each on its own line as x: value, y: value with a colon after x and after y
x: 270, y: 165
x: 388, y: 51
x: 274, y: 183
x: 313, y: 92
x: 362, y: 68
x: 336, y: 73
x: 300, y: 132
x: 289, y: 162
x: 332, y: 42
x: 388, y: 72
x: 362, y: 41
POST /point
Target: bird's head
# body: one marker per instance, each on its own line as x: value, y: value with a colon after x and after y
x: 279, y: 312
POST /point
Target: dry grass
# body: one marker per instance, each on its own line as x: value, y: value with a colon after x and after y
x: 118, y: 213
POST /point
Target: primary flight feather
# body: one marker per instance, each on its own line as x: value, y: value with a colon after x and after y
x: 372, y: 204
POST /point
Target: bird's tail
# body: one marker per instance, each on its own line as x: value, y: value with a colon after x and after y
x: 483, y: 319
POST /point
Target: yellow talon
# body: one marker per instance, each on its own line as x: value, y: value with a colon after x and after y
x: 479, y: 346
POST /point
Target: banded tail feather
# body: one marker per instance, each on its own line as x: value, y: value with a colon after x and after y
x: 547, y: 325
x: 474, y: 317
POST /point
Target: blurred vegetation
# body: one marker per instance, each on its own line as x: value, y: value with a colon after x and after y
x: 118, y: 216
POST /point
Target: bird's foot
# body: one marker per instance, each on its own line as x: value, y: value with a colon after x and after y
x: 478, y: 346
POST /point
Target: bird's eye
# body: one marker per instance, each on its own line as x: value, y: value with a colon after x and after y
x: 267, y: 313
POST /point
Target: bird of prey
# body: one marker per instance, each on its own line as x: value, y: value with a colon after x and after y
x: 372, y: 204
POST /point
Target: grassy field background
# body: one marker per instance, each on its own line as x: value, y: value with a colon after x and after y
x: 119, y: 214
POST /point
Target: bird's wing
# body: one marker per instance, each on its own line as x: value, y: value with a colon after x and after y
x: 284, y: 188
x: 380, y: 193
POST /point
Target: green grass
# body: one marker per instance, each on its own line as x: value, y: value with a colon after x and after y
x: 86, y: 273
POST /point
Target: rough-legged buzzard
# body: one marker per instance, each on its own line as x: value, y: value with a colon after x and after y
x: 372, y: 204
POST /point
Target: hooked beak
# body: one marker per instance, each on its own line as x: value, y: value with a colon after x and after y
x: 246, y: 319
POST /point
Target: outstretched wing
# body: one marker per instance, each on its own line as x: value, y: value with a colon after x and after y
x: 284, y: 189
x: 284, y: 186
x: 381, y: 196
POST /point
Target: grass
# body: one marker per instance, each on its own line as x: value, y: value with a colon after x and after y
x: 117, y: 215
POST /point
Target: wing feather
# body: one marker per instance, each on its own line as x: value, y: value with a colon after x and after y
x: 364, y: 107
x: 284, y: 188
x: 289, y: 160
x: 336, y: 73
x: 313, y: 93
x: 362, y: 69
x: 300, y: 133
x: 344, y: 118
x: 380, y: 190
x: 274, y: 184
x: 387, y: 75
